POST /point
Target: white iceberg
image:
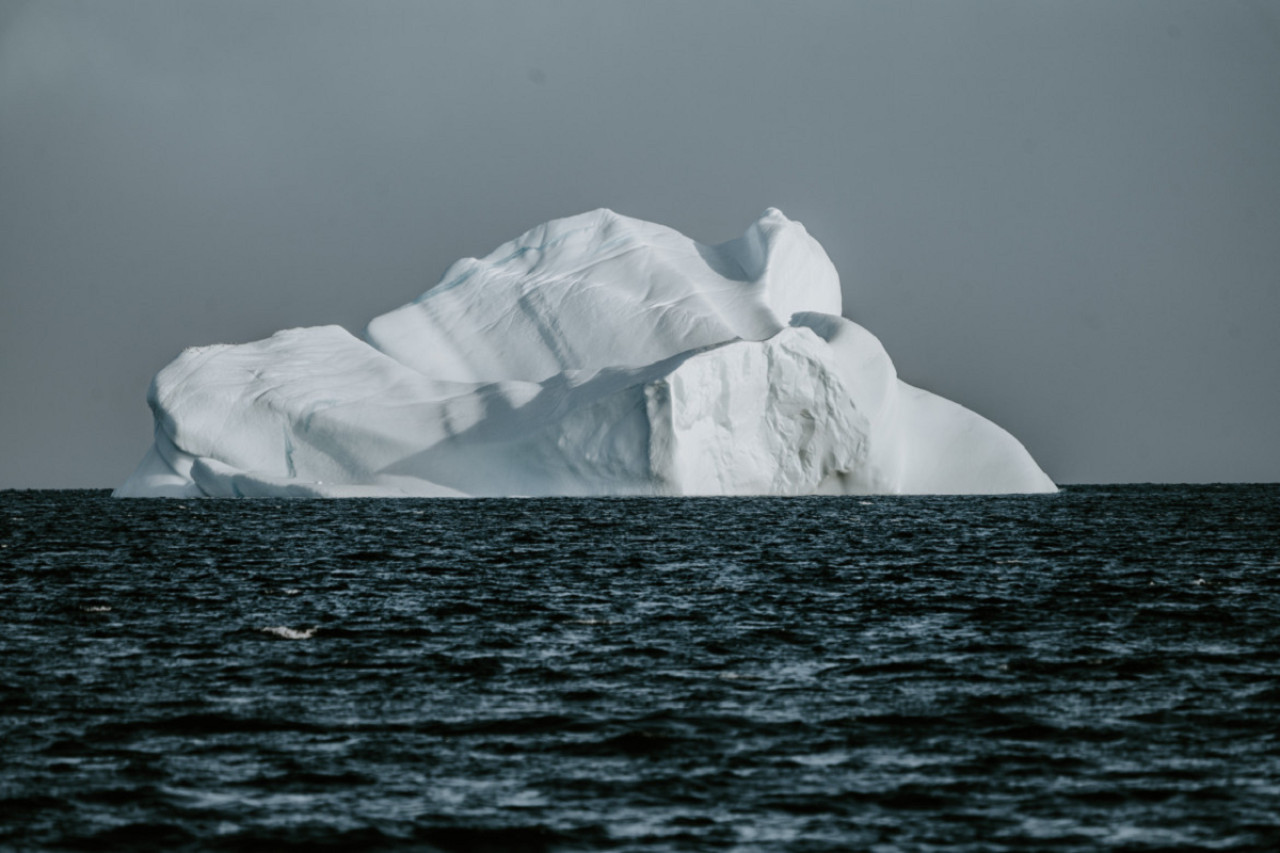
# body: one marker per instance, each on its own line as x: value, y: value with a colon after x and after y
x: 594, y: 355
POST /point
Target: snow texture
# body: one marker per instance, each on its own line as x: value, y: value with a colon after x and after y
x: 594, y: 355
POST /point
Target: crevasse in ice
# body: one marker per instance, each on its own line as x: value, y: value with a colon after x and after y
x: 593, y: 355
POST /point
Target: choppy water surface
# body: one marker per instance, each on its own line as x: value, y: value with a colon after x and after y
x: 1096, y: 669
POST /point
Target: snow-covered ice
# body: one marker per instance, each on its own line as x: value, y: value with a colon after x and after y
x: 593, y: 355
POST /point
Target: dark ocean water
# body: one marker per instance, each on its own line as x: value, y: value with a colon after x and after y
x: 1098, y: 669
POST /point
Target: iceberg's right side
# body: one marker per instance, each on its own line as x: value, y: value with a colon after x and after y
x: 918, y: 442
x: 945, y: 449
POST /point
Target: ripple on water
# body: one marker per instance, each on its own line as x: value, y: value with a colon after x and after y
x: 1094, y: 669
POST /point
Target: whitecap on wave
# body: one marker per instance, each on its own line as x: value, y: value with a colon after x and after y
x: 287, y: 633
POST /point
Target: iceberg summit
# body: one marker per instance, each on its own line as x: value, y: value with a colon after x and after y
x: 594, y: 355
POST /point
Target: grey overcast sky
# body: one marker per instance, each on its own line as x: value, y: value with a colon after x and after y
x: 1064, y: 215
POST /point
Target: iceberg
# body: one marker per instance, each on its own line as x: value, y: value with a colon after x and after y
x: 593, y: 355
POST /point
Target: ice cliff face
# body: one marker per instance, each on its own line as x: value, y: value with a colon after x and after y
x: 594, y: 355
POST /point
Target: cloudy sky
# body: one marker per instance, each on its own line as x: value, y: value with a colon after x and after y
x: 1065, y: 215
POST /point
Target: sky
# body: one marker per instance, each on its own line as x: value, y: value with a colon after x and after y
x: 1063, y: 215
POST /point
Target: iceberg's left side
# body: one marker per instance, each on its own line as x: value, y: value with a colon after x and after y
x: 156, y: 478
x: 306, y: 412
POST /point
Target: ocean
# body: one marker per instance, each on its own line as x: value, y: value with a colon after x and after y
x: 1096, y: 669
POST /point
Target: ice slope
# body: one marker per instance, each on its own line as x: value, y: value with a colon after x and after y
x: 594, y: 355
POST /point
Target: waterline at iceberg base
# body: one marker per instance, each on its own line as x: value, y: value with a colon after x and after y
x: 594, y: 355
